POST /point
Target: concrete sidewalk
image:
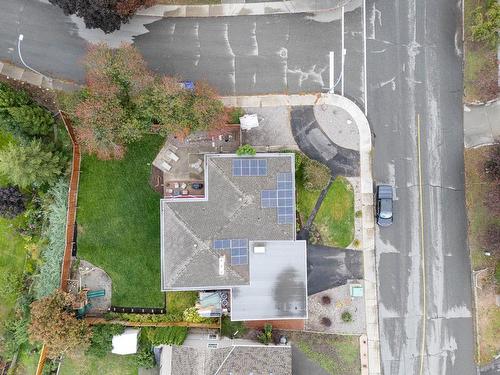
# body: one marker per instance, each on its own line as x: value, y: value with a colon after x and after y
x: 368, y: 232
x: 25, y: 75
x: 481, y: 124
x: 243, y: 9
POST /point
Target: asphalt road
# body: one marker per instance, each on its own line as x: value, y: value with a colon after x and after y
x: 238, y: 55
x: 414, y: 68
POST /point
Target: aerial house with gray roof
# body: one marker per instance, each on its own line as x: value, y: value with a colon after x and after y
x: 239, y: 236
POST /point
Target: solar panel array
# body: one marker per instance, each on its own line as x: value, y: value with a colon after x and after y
x: 249, y: 167
x: 238, y: 247
x: 281, y: 198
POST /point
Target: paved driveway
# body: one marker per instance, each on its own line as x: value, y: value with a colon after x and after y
x: 329, y: 267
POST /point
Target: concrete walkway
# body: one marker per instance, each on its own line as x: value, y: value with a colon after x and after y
x: 481, y: 124
x: 21, y: 74
x: 243, y: 9
x: 368, y: 232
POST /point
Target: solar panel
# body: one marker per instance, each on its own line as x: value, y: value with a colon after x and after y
x: 238, y: 248
x: 249, y: 167
x: 281, y: 198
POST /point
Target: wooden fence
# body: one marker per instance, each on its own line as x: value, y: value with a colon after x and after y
x: 70, y: 222
x: 92, y: 320
x: 72, y: 204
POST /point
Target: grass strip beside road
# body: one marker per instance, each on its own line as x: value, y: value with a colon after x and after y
x: 335, y: 218
x: 119, y: 223
x: 480, y: 218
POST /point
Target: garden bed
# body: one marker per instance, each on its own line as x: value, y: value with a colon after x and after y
x: 119, y: 223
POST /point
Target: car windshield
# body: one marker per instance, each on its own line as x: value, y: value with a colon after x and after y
x: 385, y: 208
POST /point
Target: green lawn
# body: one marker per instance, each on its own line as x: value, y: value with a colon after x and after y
x: 336, y: 354
x: 335, y: 218
x: 119, y: 223
x: 12, y: 255
x: 306, y: 200
x: 112, y: 364
x: 177, y: 302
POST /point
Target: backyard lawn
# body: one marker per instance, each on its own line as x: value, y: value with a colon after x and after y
x: 177, y: 302
x: 336, y: 354
x: 119, y: 223
x: 112, y: 364
x: 335, y: 218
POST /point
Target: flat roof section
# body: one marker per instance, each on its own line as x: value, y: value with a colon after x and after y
x: 278, y: 283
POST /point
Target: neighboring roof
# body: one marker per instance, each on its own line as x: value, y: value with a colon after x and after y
x: 278, y: 287
x: 126, y: 343
x: 231, y: 210
x: 276, y: 360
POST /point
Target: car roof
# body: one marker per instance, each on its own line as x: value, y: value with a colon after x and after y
x: 384, y: 191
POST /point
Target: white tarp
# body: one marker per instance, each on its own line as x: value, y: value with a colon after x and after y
x: 126, y: 343
x: 249, y: 121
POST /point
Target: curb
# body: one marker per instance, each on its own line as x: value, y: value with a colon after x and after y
x: 366, y: 186
x: 242, y: 9
x: 36, y: 79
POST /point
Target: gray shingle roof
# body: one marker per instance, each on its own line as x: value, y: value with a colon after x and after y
x: 236, y: 360
x: 232, y: 210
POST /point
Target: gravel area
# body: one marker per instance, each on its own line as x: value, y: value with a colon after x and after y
x: 356, y: 244
x: 274, y: 131
x: 339, y: 301
x: 93, y: 278
x: 338, y: 125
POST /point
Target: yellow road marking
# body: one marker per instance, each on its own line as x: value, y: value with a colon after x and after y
x: 422, y: 248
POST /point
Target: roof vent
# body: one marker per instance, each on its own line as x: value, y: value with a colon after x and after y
x: 222, y: 260
x: 261, y: 249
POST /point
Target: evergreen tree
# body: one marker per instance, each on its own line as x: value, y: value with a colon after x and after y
x: 12, y: 98
x: 32, y: 120
x: 29, y: 164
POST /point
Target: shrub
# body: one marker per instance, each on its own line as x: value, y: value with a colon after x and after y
x: 145, y: 358
x: 15, y: 335
x: 326, y: 300
x: 316, y: 175
x: 492, y: 164
x: 101, y: 342
x: 267, y: 334
x: 326, y: 321
x: 358, y: 214
x: 486, y: 23
x: 191, y: 315
x: 346, y: 317
x: 245, y: 150
x: 166, y: 335
x: 50, y: 271
x: 12, y: 202
x: 232, y: 329
x: 234, y: 114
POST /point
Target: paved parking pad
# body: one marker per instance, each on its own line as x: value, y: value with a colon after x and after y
x: 330, y: 267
